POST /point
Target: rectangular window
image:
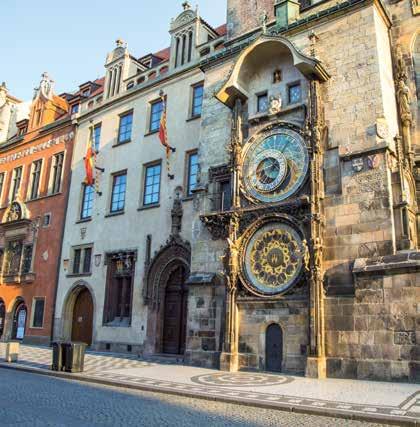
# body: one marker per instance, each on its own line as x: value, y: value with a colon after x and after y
x: 76, y: 261
x: 295, y: 93
x: 13, y: 257
x: 155, y: 115
x: 126, y: 125
x: 97, y: 136
x: 87, y: 202
x: 1, y: 260
x: 192, y: 172
x: 57, y: 171
x: 74, y: 108
x: 262, y: 102
x: 2, y: 177
x: 87, y: 259
x: 119, y: 289
x: 152, y: 185
x: 35, y: 178
x: 119, y: 183
x: 27, y: 259
x: 38, y: 312
x: 17, y: 179
x: 197, y: 101
x: 225, y: 196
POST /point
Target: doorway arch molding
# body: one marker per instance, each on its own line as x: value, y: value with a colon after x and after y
x: 68, y: 308
x: 166, y: 261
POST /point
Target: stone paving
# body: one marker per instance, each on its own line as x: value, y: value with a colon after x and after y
x: 33, y: 400
x: 374, y: 400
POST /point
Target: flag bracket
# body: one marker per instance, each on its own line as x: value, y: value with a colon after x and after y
x: 100, y: 169
x: 170, y: 176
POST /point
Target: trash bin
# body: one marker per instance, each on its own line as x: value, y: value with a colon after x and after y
x: 12, y: 351
x: 73, y: 356
x: 57, y: 356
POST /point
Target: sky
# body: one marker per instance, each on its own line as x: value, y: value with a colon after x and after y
x: 70, y: 39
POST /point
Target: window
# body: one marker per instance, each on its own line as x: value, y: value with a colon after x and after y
x: 2, y: 176
x: 119, y: 289
x: 193, y: 169
x: 262, y: 103
x: 126, y: 125
x: 1, y: 260
x: 76, y: 261
x: 17, y: 179
x: 295, y: 93
x: 13, y: 257
x: 119, y: 183
x: 87, y: 202
x: 38, y: 312
x: 86, y: 92
x: 27, y: 259
x: 97, y: 136
x: 35, y: 178
x: 47, y: 220
x: 74, y: 108
x: 155, y: 115
x: 152, y: 185
x: 58, y: 160
x: 225, y: 196
x: 82, y: 260
x: 197, y: 101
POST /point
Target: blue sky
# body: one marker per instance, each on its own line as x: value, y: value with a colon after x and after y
x: 70, y: 39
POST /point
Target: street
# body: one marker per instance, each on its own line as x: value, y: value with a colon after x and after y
x: 35, y: 400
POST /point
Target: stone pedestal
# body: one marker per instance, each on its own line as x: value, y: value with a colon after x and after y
x: 229, y: 362
x: 12, y: 352
x: 316, y: 367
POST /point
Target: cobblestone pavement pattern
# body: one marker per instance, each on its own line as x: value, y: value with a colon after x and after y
x: 33, y: 400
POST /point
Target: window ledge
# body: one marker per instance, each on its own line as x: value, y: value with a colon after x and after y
x: 43, y: 197
x: 146, y: 207
x: 192, y: 118
x: 121, y: 143
x: 79, y: 274
x: 152, y: 132
x: 18, y: 278
x: 81, y: 221
x: 111, y: 214
x: 108, y: 325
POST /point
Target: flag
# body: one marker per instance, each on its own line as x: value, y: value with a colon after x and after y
x: 163, y: 134
x: 90, y: 159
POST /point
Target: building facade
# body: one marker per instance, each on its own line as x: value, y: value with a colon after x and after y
x: 281, y: 234
x: 35, y: 157
x: 129, y: 236
x: 314, y: 124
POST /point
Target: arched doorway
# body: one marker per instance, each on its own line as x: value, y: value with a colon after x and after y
x: 175, y: 312
x: 19, y: 321
x: 2, y: 316
x: 273, y: 348
x: 82, y: 319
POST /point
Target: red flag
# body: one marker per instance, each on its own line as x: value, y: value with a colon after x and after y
x: 90, y: 159
x: 163, y: 131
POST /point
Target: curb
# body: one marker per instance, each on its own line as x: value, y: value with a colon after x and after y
x: 343, y: 414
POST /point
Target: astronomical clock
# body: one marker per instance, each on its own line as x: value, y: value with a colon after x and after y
x: 273, y: 248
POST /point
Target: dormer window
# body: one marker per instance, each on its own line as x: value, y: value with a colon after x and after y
x: 74, y: 108
x: 86, y: 93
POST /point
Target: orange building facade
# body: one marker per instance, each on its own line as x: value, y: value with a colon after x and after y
x: 34, y: 180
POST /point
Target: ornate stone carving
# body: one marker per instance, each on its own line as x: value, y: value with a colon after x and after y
x: 217, y: 224
x: 45, y: 89
x: 275, y: 105
x: 357, y: 164
x: 176, y: 213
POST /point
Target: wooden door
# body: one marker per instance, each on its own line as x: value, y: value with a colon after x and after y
x: 175, y: 314
x: 2, y: 317
x: 273, y: 348
x: 82, y: 325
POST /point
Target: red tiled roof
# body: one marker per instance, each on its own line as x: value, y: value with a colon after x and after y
x: 222, y: 30
x: 163, y: 54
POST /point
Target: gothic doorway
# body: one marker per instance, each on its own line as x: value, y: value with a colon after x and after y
x: 273, y: 348
x: 19, y: 321
x: 175, y: 312
x: 82, y: 322
x: 2, y: 317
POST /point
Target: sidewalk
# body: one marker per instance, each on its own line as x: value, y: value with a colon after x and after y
x: 364, y: 400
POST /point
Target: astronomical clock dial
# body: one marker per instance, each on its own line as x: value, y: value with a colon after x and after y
x: 275, y: 167
x: 273, y: 259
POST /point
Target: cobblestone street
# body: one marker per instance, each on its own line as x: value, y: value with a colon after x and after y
x: 34, y: 400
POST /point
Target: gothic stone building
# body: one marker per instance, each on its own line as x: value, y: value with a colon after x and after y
x: 35, y: 155
x: 310, y: 116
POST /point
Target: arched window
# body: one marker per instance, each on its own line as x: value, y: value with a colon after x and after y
x: 184, y: 42
x: 177, y: 52
x: 190, y: 40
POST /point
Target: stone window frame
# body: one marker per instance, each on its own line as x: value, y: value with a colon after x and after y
x: 191, y: 115
x: 259, y: 95
x: 35, y: 299
x: 188, y: 154
x: 218, y: 175
x: 30, y: 196
x: 82, y: 249
x: 12, y: 182
x: 52, y: 190
x: 143, y: 186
